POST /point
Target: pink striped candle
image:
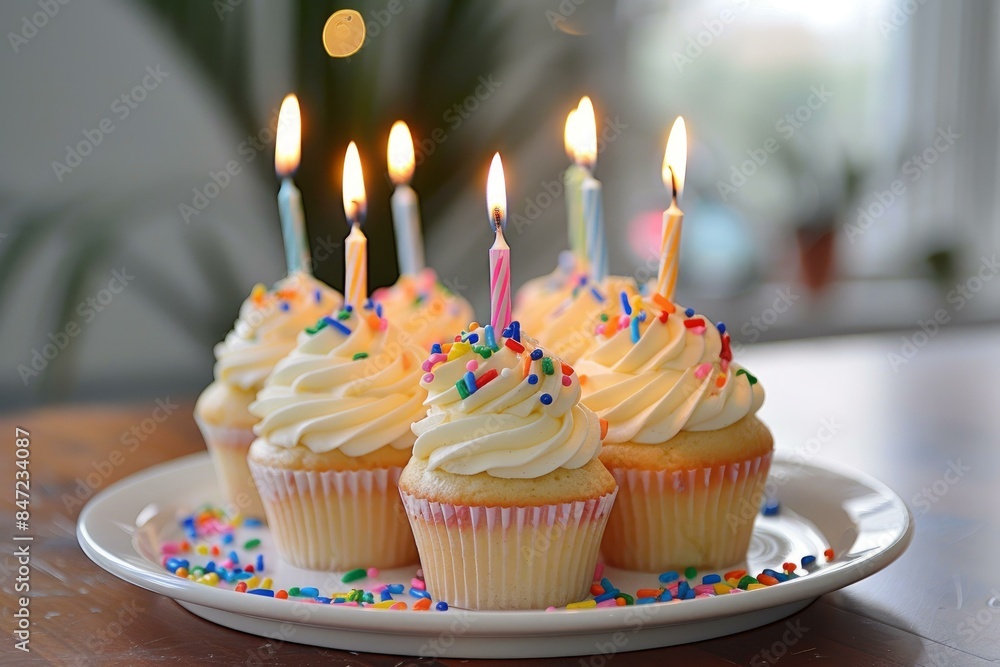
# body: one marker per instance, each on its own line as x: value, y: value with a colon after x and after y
x: 496, y: 205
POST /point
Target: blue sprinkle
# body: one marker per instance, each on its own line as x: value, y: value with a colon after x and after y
x: 473, y: 338
x: 210, y: 566
x: 506, y: 333
x: 309, y: 592
x: 582, y: 281
x: 337, y: 325
x: 252, y: 522
x: 614, y: 592
x: 284, y: 306
x: 645, y: 600
x: 536, y: 354
x: 770, y: 573
x: 689, y: 595
x: 324, y: 600
x: 771, y: 507
x: 233, y: 557
x: 689, y: 312
x: 669, y: 576
x: 417, y: 593
x: 634, y: 327
x: 682, y: 588
x: 532, y: 379
x: 317, y: 296
x: 386, y: 595
x: 597, y: 295
x: 470, y: 381
x: 242, y: 575
x: 642, y: 316
x: 808, y: 560
x: 441, y: 606
x: 781, y: 576
x: 436, y: 348
x: 259, y: 565
x: 348, y: 307
x: 665, y: 596
x: 237, y: 570
x: 265, y: 592
x: 517, y: 330
x: 369, y: 304
x: 606, y: 584
x: 491, y: 340
x: 626, y: 306
x: 339, y: 600
x: 545, y: 399
x: 378, y: 309
x: 227, y: 538
x: 711, y: 579
x: 721, y: 327
x: 396, y: 588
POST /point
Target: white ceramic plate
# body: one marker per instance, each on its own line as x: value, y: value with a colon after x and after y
x: 866, y: 524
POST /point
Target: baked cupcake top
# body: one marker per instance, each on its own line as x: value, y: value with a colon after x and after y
x: 350, y: 384
x: 423, y: 309
x: 568, y: 329
x: 268, y: 324
x: 659, y: 369
x: 500, y: 404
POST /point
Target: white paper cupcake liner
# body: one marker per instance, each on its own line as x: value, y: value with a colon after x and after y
x: 671, y: 519
x: 508, y: 557
x: 228, y: 447
x: 336, y: 520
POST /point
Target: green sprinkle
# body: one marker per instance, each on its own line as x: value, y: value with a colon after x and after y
x: 547, y: 367
x: 690, y: 573
x: 360, y: 355
x: 316, y: 328
x: 750, y: 378
x: 483, y: 351
x: 294, y: 590
x: 628, y: 598
x: 251, y: 544
x: 344, y: 315
x: 604, y: 317
x: 463, y: 391
x: 746, y: 581
x: 197, y: 570
x: 354, y: 575
x: 369, y: 598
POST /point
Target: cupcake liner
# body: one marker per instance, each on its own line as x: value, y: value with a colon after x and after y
x: 671, y: 519
x: 508, y: 557
x: 228, y: 447
x: 336, y: 520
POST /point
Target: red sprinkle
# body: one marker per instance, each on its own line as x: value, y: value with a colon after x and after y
x: 567, y: 369
x: 789, y: 567
x: 281, y: 595
x: 766, y: 579
x: 514, y: 345
x: 694, y: 323
x: 727, y: 352
x: 829, y: 554
x: 596, y: 589
x: 604, y: 427
x: 664, y: 315
x: 241, y: 587
x: 248, y: 568
x: 215, y: 550
x: 423, y: 604
x: 735, y: 574
x: 486, y: 377
x: 648, y: 592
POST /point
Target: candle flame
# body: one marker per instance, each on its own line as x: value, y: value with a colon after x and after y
x: 584, y: 128
x: 355, y: 204
x: 400, y: 152
x: 675, y: 158
x: 496, y: 194
x: 569, y: 134
x: 288, y: 145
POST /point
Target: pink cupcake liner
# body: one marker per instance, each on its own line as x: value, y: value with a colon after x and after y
x: 228, y: 447
x: 508, y: 557
x: 336, y: 520
x: 670, y: 519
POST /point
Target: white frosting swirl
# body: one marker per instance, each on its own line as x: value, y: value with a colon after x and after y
x: 269, y: 322
x: 675, y: 378
x: 504, y: 428
x: 424, y: 309
x: 326, y: 395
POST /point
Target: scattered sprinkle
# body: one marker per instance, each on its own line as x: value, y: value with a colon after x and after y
x: 546, y: 399
x: 360, y: 355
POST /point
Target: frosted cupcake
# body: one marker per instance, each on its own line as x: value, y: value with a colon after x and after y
x: 538, y: 298
x: 505, y: 493
x: 333, y: 437
x: 268, y: 324
x: 683, y: 440
x: 424, y: 310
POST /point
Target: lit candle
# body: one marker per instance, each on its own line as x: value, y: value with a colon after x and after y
x: 405, y: 214
x: 572, y: 180
x: 674, y: 167
x: 496, y: 206
x: 590, y: 191
x: 356, y: 246
x: 287, y: 151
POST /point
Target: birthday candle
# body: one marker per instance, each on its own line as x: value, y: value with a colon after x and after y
x: 496, y: 204
x: 356, y: 245
x: 572, y: 183
x: 673, y: 172
x: 288, y: 148
x: 592, y: 199
x: 405, y: 213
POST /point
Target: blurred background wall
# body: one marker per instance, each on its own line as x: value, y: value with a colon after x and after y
x: 842, y: 174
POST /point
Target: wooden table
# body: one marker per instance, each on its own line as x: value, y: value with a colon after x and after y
x: 907, y: 426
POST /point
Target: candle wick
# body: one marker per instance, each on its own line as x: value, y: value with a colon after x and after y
x: 673, y: 184
x: 497, y: 217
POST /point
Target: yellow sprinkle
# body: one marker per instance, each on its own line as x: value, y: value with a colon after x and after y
x: 583, y: 604
x: 386, y: 604
x: 399, y: 606
x: 753, y: 587
x: 257, y: 293
x: 458, y: 349
x: 190, y: 577
x: 733, y: 582
x: 202, y: 549
x: 722, y: 589
x: 267, y: 583
x: 211, y: 578
x: 252, y: 582
x: 181, y: 572
x: 473, y: 325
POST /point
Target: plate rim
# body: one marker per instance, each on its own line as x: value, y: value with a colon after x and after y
x: 484, y: 624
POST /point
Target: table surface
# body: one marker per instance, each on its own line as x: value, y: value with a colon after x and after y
x: 907, y: 424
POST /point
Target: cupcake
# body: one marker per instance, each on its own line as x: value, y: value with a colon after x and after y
x: 505, y: 493
x: 266, y: 330
x: 423, y: 309
x: 333, y: 436
x: 539, y: 297
x: 568, y: 329
x: 683, y: 441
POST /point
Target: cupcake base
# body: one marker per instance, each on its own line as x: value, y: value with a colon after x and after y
x: 508, y: 557
x: 229, y: 447
x: 670, y: 519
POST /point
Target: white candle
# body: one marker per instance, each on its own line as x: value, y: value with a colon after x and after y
x: 287, y: 152
x: 572, y: 181
x: 585, y: 152
x: 405, y: 210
